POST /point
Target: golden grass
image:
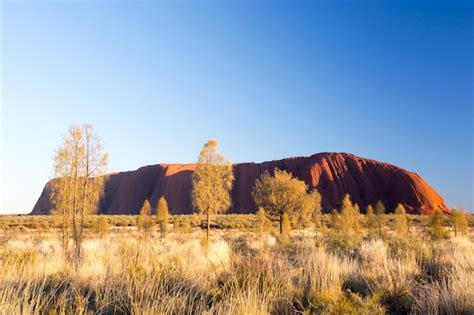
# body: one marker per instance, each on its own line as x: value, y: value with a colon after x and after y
x: 238, y: 272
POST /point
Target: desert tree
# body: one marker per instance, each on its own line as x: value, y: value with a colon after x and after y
x: 310, y: 209
x: 144, y: 220
x: 101, y: 226
x: 79, y: 165
x: 317, y: 210
x: 454, y: 220
x: 175, y: 223
x: 336, y: 225
x: 458, y: 221
x: 212, y: 182
x: 195, y: 220
x: 401, y: 219
x: 280, y: 194
x: 379, y: 216
x: 186, y: 226
x: 463, y: 223
x: 371, y: 221
x: 162, y: 215
x: 436, y: 225
x: 350, y: 216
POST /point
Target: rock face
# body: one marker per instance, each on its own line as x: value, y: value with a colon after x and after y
x: 332, y: 174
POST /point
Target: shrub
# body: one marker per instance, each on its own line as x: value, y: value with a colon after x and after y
x: 162, y: 216
x: 263, y: 223
x: 144, y: 221
x: 401, y: 220
x: 101, y: 226
x: 436, y: 225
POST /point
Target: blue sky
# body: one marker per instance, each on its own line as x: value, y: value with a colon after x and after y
x: 389, y: 80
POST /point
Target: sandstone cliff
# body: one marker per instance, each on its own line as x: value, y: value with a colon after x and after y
x: 332, y: 174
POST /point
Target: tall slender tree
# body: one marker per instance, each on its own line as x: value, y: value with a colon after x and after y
x: 401, y: 220
x: 370, y: 219
x: 144, y: 220
x: 436, y: 225
x: 212, y: 183
x: 350, y: 216
x: 458, y: 221
x: 79, y: 165
x: 162, y: 215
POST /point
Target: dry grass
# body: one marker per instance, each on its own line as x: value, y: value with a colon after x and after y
x: 239, y: 272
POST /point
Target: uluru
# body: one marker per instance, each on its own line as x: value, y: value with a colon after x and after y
x: 332, y: 174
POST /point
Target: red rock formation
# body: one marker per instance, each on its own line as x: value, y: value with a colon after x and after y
x: 332, y: 174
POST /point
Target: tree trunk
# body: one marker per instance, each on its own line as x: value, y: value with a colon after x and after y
x: 208, y: 224
x: 281, y: 224
x: 74, y: 218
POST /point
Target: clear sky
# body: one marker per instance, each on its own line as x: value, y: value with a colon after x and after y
x: 388, y: 80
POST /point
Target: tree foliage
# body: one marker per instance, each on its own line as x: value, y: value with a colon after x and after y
x: 101, y: 226
x: 336, y: 221
x: 458, y: 221
x: 379, y: 216
x: 401, y: 220
x: 282, y: 193
x: 162, y: 215
x: 310, y: 209
x: 350, y: 216
x: 79, y: 164
x: 285, y: 224
x: 186, y: 226
x: 370, y: 219
x: 212, y: 182
x: 144, y: 221
x: 436, y: 225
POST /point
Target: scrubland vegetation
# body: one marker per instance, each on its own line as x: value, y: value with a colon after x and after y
x: 289, y: 258
x: 248, y: 267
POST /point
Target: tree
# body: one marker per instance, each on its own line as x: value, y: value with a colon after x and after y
x: 77, y: 188
x: 144, y: 221
x: 186, y: 226
x: 370, y: 219
x: 212, y: 183
x: 162, y: 215
x: 454, y: 221
x: 458, y: 221
x: 379, y: 216
x: 175, y: 223
x: 310, y: 209
x: 336, y: 221
x: 195, y: 220
x: 401, y: 219
x: 317, y: 213
x: 350, y: 216
x: 263, y: 224
x: 436, y: 225
x: 101, y: 226
x: 280, y: 194
x: 463, y: 224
